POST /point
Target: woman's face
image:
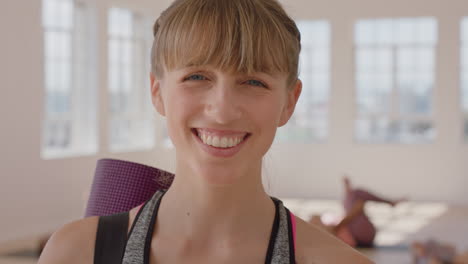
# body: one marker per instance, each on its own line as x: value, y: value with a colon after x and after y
x: 222, y: 123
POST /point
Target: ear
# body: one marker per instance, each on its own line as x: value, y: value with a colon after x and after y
x: 292, y: 97
x: 156, y: 96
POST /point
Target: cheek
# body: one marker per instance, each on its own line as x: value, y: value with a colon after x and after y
x: 273, y: 109
x: 267, y: 114
x: 180, y: 109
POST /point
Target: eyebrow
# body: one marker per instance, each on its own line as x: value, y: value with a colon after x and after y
x: 211, y: 69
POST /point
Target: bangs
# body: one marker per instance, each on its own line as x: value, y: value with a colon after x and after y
x: 233, y: 35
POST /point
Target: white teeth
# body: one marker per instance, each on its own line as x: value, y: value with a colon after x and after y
x: 216, y: 142
x: 223, y: 142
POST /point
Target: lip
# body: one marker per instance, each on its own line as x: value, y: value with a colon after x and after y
x: 221, y: 152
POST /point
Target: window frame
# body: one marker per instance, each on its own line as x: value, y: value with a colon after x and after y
x: 81, y: 85
x: 394, y: 114
x: 139, y: 111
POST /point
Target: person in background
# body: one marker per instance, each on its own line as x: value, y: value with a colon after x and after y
x: 355, y: 228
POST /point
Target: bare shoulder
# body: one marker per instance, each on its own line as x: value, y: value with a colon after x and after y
x: 315, y: 246
x: 72, y: 243
x: 75, y: 241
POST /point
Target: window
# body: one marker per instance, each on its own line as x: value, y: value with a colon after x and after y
x: 69, y: 126
x: 464, y: 75
x: 395, y: 65
x: 131, y: 114
x: 309, y: 122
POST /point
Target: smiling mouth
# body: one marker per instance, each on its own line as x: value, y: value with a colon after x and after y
x: 221, y: 142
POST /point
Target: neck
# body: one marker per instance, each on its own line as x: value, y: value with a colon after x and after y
x: 194, y: 208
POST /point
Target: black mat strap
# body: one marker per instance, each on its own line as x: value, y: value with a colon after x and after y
x: 111, y: 238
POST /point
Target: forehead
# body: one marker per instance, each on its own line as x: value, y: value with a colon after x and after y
x: 218, y: 36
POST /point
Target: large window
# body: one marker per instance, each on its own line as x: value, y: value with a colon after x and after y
x: 310, y: 120
x: 131, y: 114
x: 395, y: 65
x: 464, y: 74
x: 69, y: 125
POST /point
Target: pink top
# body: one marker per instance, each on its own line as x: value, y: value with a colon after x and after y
x: 293, y: 225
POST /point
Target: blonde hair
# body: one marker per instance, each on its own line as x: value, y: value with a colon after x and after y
x: 241, y: 35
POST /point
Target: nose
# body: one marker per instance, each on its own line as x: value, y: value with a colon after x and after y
x: 222, y: 105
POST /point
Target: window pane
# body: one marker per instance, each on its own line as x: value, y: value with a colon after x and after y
x: 406, y: 59
x: 383, y: 60
x: 50, y: 12
x: 58, y: 102
x: 426, y: 31
x: 65, y: 14
x: 464, y: 31
x: 59, y: 134
x: 114, y: 52
x: 120, y: 22
x: 405, y: 31
x: 376, y: 129
x: 417, y: 131
x: 364, y: 60
x: 425, y: 59
x: 113, y: 80
x: 365, y: 33
x: 64, y: 45
x: 415, y: 93
x: 51, y: 76
x: 50, y: 45
x: 314, y: 33
x: 384, y: 33
x: 64, y: 71
x: 374, y: 93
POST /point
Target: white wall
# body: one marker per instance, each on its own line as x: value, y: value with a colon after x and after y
x: 38, y: 195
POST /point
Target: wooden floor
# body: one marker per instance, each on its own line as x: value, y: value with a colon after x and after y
x: 398, y: 227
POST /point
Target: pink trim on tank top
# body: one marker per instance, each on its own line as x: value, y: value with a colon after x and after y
x: 293, y: 225
x: 139, y: 207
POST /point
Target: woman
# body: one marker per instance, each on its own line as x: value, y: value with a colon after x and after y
x: 355, y: 229
x: 224, y: 74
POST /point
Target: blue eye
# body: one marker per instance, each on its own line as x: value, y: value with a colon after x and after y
x: 255, y: 83
x: 195, y: 77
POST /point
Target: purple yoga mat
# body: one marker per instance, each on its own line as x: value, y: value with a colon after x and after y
x: 120, y: 185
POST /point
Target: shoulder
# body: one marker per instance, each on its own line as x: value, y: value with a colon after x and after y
x: 72, y: 243
x: 75, y: 241
x: 315, y: 246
